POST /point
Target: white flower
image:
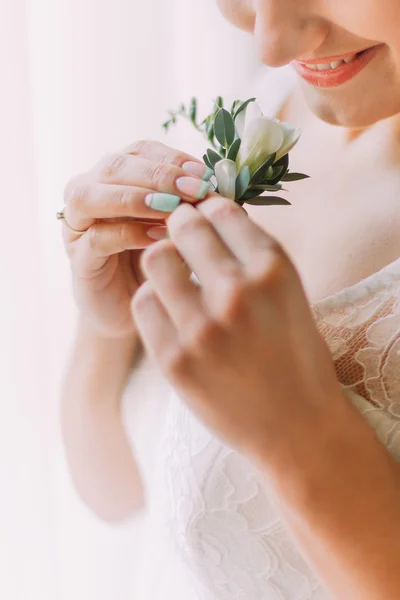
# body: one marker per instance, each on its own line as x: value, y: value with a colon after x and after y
x: 291, y: 136
x: 226, y: 172
x: 262, y: 137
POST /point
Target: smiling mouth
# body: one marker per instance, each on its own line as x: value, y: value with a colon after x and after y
x: 336, y: 70
x: 332, y: 64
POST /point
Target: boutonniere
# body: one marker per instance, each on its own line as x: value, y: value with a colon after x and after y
x: 250, y: 152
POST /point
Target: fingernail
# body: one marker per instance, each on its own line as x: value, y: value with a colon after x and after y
x: 198, y: 169
x: 157, y: 233
x: 196, y: 188
x: 163, y: 202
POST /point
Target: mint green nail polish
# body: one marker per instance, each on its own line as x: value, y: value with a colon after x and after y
x: 163, y: 202
x: 208, y: 174
x: 203, y: 190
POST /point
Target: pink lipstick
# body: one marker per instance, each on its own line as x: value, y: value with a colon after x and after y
x: 332, y: 71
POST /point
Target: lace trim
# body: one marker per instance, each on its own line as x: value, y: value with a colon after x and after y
x: 361, y: 325
x: 387, y: 276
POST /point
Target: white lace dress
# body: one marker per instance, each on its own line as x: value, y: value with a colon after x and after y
x: 211, y: 530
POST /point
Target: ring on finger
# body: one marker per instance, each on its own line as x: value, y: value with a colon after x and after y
x: 61, y: 217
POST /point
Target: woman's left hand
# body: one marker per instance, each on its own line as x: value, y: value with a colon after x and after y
x: 242, y: 349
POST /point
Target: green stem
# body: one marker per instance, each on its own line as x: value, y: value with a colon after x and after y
x: 193, y: 123
x: 196, y: 126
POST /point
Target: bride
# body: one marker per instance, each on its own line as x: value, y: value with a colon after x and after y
x: 257, y: 438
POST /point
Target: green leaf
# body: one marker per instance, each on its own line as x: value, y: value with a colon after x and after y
x: 251, y: 193
x: 224, y: 128
x: 193, y: 110
x: 218, y: 103
x: 207, y: 162
x: 234, y: 149
x: 269, y: 188
x: 268, y: 201
x: 242, y: 182
x: 283, y: 162
x: 243, y: 106
x: 295, y: 177
x: 235, y: 106
x: 210, y: 134
x: 261, y: 173
x: 276, y: 175
x: 269, y: 173
x: 209, y: 128
x: 213, y: 157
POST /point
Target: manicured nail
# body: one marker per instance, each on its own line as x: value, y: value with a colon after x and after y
x: 163, y: 202
x: 198, y: 169
x: 196, y: 188
x: 157, y: 233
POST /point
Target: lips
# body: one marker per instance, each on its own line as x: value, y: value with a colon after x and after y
x: 336, y: 70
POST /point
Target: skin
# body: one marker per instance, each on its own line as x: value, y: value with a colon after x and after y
x: 108, y: 202
x: 289, y: 30
x: 253, y: 293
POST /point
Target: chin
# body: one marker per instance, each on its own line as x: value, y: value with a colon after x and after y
x: 352, y: 112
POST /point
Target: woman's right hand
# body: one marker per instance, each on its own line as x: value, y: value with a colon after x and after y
x: 109, y: 203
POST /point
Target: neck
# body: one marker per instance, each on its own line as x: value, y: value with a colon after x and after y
x: 354, y: 133
x: 393, y: 125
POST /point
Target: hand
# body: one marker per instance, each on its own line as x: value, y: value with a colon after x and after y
x: 242, y: 349
x: 109, y: 202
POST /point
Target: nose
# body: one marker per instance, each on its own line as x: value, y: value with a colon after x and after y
x: 285, y: 30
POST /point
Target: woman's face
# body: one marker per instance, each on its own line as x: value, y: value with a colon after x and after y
x: 346, y: 52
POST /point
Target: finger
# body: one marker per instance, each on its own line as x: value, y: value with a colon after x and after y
x: 125, y: 169
x: 86, y: 201
x: 158, y: 152
x: 92, y: 200
x: 201, y: 247
x: 156, y: 329
x: 154, y: 152
x: 157, y: 168
x: 71, y: 236
x: 92, y: 250
x: 170, y: 279
x: 251, y: 244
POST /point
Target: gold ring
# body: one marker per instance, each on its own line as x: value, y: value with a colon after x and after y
x: 61, y: 217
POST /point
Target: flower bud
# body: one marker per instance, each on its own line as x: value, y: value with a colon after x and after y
x: 226, y: 172
x: 262, y: 137
x: 291, y: 136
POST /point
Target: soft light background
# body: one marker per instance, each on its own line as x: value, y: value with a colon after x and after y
x: 80, y: 78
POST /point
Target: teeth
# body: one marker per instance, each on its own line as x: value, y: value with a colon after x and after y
x: 330, y: 66
x: 324, y: 67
